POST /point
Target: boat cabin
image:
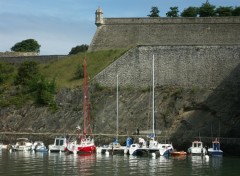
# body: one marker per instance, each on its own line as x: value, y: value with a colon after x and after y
x: 216, y: 145
x: 59, y: 141
x: 197, y: 144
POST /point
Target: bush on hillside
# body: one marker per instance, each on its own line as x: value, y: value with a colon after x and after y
x: 6, y: 71
x: 26, y: 71
x: 78, y: 49
x: 32, y: 82
x: 42, y: 90
x: 79, y: 73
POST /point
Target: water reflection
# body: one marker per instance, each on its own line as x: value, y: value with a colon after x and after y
x: 30, y: 163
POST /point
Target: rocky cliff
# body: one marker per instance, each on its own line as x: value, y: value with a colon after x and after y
x: 181, y: 114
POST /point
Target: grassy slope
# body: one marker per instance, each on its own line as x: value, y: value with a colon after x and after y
x: 63, y: 70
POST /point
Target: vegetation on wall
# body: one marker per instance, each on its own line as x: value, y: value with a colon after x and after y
x: 205, y: 10
x: 154, y: 12
x: 173, y: 12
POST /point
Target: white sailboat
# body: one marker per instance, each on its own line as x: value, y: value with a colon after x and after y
x: 114, y: 146
x: 152, y: 145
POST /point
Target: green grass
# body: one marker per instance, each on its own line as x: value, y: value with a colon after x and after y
x: 64, y: 70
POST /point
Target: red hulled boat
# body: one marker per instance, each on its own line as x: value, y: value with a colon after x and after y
x: 85, y: 141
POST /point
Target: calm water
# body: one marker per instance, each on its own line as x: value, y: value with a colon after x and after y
x: 29, y: 163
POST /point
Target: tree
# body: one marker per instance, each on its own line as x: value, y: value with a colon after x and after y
x: 173, y: 12
x: 26, y: 71
x: 29, y: 45
x: 42, y: 90
x: 236, y: 11
x: 32, y: 82
x: 154, y: 12
x: 224, y: 11
x: 207, y: 10
x: 190, y: 12
x: 78, y: 49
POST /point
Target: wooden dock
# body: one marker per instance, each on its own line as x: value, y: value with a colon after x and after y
x: 107, y: 150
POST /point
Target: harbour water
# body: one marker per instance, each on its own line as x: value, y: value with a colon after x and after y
x: 30, y: 163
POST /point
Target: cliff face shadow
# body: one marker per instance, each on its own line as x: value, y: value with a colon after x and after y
x: 217, y: 116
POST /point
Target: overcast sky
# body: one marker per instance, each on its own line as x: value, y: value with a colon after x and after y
x: 59, y: 25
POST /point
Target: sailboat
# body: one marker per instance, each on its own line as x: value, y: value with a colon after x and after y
x: 152, y: 145
x: 215, y: 149
x: 85, y: 142
x: 115, y: 146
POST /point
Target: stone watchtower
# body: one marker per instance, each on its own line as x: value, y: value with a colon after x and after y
x: 99, y: 17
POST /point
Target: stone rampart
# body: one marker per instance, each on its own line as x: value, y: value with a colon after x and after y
x: 186, y: 66
x: 40, y: 59
x: 129, y: 32
x: 17, y: 54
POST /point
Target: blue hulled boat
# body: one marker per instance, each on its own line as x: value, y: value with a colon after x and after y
x: 215, y: 150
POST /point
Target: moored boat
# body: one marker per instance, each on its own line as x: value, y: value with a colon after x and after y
x: 215, y: 149
x: 22, y: 144
x: 38, y: 146
x: 59, y: 145
x: 115, y: 147
x: 197, y: 148
x: 152, y: 146
x: 85, y: 142
x: 178, y: 153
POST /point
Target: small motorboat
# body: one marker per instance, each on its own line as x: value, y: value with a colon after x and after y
x: 197, y: 148
x: 22, y: 144
x: 215, y: 150
x: 59, y: 145
x: 178, y: 153
x: 38, y: 146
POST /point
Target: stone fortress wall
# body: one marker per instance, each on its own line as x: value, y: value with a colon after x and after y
x: 17, y: 54
x: 202, y: 52
x: 129, y: 32
x: 40, y: 59
x: 187, y: 66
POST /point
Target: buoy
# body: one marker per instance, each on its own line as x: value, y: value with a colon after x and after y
x: 154, y: 155
x: 206, y: 157
x: 99, y: 150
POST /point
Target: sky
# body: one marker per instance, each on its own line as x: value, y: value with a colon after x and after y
x: 60, y: 25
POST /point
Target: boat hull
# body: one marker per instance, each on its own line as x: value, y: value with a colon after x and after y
x: 215, y: 152
x: 87, y: 149
x: 78, y: 148
x: 180, y: 153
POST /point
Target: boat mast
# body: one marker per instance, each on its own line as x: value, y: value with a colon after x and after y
x: 85, y: 100
x: 117, y: 107
x: 153, y: 118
